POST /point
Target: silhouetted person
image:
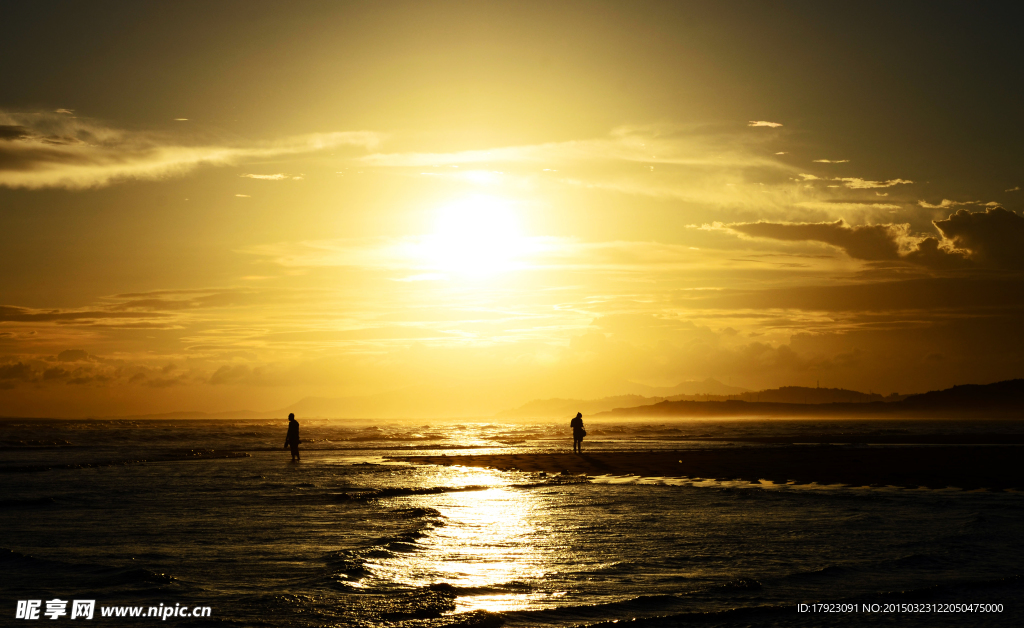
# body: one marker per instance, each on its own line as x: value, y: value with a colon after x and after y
x: 577, y: 433
x: 292, y: 439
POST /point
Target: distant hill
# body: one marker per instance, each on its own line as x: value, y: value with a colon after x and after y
x: 801, y: 394
x: 1008, y: 395
x: 786, y: 394
x: 1002, y: 399
x: 702, y: 389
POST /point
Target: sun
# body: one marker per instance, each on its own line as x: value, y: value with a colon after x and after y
x: 477, y: 236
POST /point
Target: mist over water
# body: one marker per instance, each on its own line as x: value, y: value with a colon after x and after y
x: 347, y: 538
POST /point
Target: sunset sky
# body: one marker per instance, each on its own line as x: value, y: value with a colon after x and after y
x: 235, y: 205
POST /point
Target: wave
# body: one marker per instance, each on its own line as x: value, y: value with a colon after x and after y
x: 354, y: 493
x: 129, y: 579
x: 644, y: 604
x: 828, y: 571
x: 36, y: 468
x: 347, y: 566
x: 493, y: 589
x: 173, y: 456
x: 401, y: 491
x: 924, y: 562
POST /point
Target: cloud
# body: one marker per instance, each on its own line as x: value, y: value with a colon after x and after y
x: 18, y: 371
x: 869, y: 242
x: 832, y: 161
x: 175, y: 300
x: 993, y: 237
x: 646, y: 145
x: 72, y: 355
x: 933, y: 294
x: 856, y: 183
x: 9, y: 132
x: 946, y: 204
x: 41, y: 150
x: 55, y: 373
x: 13, y: 313
x: 243, y: 196
x: 887, y: 242
x: 764, y: 123
x: 1013, y: 189
x: 230, y: 374
x: 708, y: 165
x: 268, y: 177
x: 846, y: 206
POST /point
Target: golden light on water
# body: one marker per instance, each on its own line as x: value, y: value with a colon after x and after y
x: 490, y: 539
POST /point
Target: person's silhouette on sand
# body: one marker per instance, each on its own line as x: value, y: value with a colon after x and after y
x: 292, y: 439
x: 577, y: 433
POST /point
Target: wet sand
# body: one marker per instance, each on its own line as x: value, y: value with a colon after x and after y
x: 965, y: 467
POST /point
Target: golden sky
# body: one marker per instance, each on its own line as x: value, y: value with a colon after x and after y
x: 465, y: 206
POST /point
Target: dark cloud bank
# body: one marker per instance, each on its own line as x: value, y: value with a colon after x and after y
x: 991, y: 239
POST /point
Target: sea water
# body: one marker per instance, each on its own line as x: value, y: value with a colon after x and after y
x: 348, y: 538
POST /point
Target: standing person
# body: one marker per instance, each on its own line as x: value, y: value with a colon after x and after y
x: 577, y: 433
x: 292, y: 439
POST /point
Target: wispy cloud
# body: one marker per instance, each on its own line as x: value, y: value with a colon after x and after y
x: 764, y: 123
x: 646, y: 145
x: 845, y: 205
x: 41, y: 150
x: 267, y: 177
x: 831, y: 161
x: 946, y: 204
x: 856, y: 183
x: 1013, y: 189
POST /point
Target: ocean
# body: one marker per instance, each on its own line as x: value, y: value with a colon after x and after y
x: 141, y: 514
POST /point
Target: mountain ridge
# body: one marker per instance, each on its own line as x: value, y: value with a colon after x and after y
x: 999, y: 399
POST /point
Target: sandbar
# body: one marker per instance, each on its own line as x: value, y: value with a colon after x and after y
x: 964, y: 467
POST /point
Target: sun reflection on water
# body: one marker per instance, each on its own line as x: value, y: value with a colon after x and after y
x: 490, y: 543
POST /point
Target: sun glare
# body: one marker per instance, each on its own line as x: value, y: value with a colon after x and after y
x: 474, y: 237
